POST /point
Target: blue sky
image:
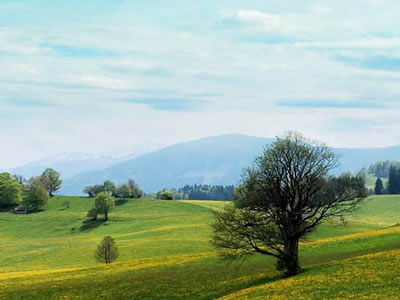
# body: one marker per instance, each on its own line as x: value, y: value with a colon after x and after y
x: 95, y: 76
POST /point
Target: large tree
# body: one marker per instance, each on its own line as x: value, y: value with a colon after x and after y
x: 51, y: 180
x: 284, y: 196
x: 10, y: 191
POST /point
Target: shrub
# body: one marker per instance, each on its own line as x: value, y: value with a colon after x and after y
x: 165, y: 195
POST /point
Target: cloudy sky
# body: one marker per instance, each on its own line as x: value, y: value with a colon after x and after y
x: 105, y: 75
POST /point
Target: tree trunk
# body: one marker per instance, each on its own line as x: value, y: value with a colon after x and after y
x: 106, y: 215
x: 292, y: 257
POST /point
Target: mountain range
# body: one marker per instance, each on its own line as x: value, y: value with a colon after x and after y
x: 72, y: 164
x: 211, y: 160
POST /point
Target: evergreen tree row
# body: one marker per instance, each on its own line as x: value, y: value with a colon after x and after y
x: 204, y: 192
x: 393, y: 184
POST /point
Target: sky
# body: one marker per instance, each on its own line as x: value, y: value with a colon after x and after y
x: 105, y: 75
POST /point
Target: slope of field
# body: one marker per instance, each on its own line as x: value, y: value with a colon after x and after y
x: 165, y: 253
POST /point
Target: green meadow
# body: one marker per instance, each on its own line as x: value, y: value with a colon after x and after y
x: 165, y: 254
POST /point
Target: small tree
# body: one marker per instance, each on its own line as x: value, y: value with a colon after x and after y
x: 51, y: 181
x: 379, y: 186
x: 103, y: 204
x: 285, y: 195
x: 10, y: 191
x: 107, y: 252
x: 36, y: 197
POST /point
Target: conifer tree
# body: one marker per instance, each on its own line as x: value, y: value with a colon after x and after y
x: 379, y: 186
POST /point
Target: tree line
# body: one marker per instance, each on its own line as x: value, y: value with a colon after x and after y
x: 196, y: 192
x: 126, y: 190
x: 28, y: 194
x: 206, y: 192
x: 382, y: 168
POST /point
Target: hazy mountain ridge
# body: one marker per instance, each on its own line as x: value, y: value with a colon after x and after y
x: 212, y: 160
x: 68, y: 165
x: 72, y: 164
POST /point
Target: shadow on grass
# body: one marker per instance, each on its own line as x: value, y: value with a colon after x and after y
x: 91, y: 224
x: 120, y: 202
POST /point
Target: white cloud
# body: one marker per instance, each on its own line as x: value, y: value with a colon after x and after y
x: 359, y: 43
x: 236, y: 82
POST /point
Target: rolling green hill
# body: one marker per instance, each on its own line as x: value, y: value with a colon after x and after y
x: 165, y: 254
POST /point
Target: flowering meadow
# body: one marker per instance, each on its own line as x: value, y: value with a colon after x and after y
x: 165, y: 254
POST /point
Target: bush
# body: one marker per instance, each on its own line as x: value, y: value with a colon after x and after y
x: 165, y: 195
x: 67, y: 203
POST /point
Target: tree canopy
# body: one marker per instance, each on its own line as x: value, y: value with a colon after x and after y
x: 127, y: 190
x: 37, y: 197
x: 103, y: 204
x: 10, y: 191
x: 51, y: 180
x: 284, y: 196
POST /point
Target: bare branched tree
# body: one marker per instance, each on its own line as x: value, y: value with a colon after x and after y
x: 284, y: 196
x: 107, y: 252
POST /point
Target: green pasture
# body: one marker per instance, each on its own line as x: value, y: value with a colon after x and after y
x: 165, y: 254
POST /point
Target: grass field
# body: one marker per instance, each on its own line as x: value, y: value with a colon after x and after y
x: 165, y: 254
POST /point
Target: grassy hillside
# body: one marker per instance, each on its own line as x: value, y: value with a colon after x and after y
x: 165, y: 253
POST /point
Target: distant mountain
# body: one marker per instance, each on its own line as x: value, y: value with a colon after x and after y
x: 212, y: 160
x: 68, y: 165
x: 72, y: 164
